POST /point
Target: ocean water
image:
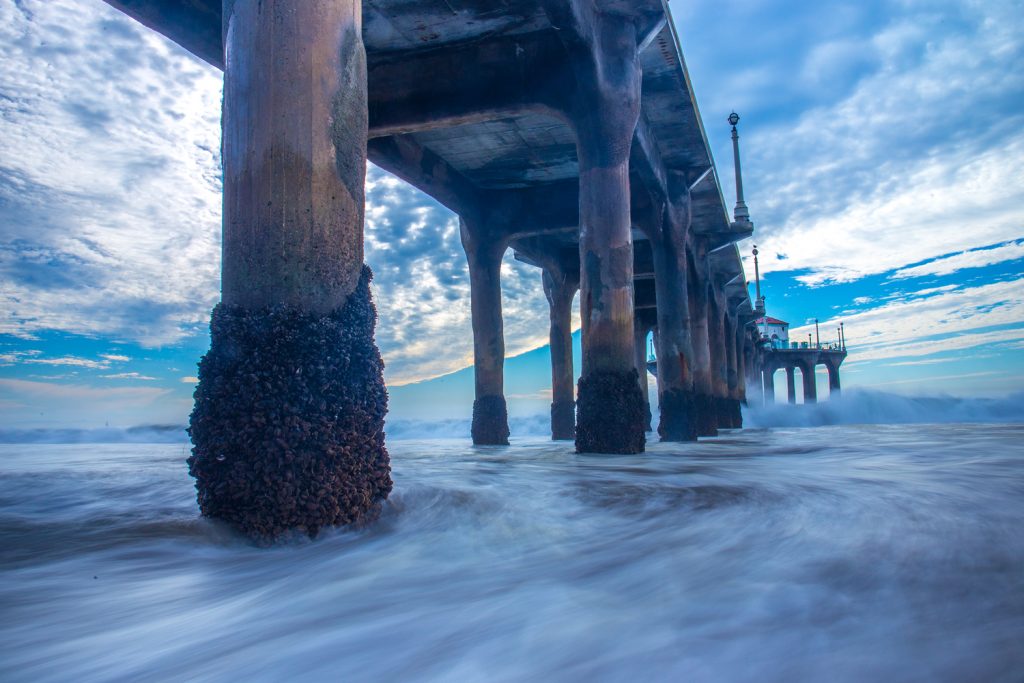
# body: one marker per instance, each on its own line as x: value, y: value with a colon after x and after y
x: 838, y: 553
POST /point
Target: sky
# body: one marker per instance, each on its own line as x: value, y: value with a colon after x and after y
x: 883, y: 159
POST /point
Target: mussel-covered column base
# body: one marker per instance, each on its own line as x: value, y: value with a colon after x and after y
x: 288, y: 424
x: 678, y: 415
x: 490, y: 421
x: 610, y: 413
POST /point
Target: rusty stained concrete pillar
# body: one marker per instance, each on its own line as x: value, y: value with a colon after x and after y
x: 676, y: 400
x: 560, y: 286
x: 288, y: 424
x: 485, y: 245
x: 604, y: 112
x: 810, y: 384
x: 704, y: 403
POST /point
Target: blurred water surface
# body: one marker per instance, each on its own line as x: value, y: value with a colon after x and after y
x: 842, y: 553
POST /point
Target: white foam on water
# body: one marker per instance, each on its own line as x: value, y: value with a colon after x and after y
x: 842, y: 553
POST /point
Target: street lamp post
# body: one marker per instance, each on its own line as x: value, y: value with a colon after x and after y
x: 817, y: 335
x: 740, y: 213
x: 842, y: 336
x: 759, y: 300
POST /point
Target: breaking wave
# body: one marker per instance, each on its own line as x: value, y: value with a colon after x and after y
x: 861, y: 406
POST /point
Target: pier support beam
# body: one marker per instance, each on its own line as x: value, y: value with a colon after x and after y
x: 675, y: 353
x: 560, y: 287
x: 810, y: 385
x: 791, y: 384
x: 704, y: 403
x: 604, y: 114
x: 288, y: 424
x: 485, y: 245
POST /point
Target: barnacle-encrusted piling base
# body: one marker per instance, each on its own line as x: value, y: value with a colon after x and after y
x: 610, y: 413
x: 288, y: 424
x: 563, y: 420
x: 707, y: 414
x: 678, y: 416
x: 490, y: 421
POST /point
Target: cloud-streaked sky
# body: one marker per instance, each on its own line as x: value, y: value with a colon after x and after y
x: 883, y: 149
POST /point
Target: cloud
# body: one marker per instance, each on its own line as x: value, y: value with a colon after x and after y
x: 72, y: 361
x: 189, y: 380
x: 109, y: 179
x: 945, y: 321
x: 110, y: 175
x: 114, y: 357
x: 130, y: 375
x: 79, y: 392
x: 912, y: 163
x: 110, y: 200
x: 974, y: 258
x: 421, y: 286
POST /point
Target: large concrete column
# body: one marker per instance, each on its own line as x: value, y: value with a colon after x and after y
x: 604, y: 113
x: 288, y: 424
x: 791, y: 384
x: 674, y: 343
x: 560, y: 287
x: 704, y: 402
x: 833, y: 380
x: 810, y: 385
x: 484, y: 250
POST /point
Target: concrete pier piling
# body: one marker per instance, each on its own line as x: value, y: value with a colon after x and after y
x: 704, y: 398
x: 560, y: 286
x: 484, y: 250
x: 677, y: 403
x: 288, y: 424
x: 604, y: 57
x: 810, y: 384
